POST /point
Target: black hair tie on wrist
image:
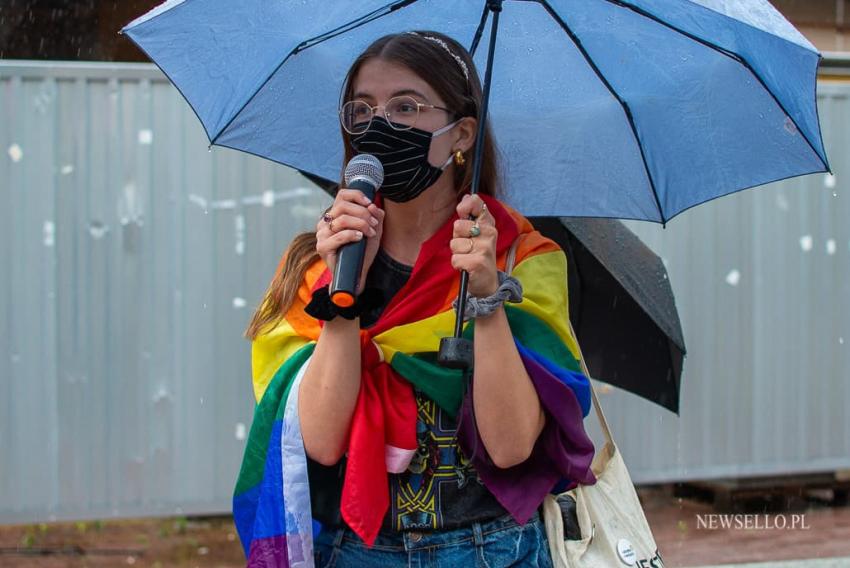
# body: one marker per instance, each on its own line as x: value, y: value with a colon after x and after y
x: 321, y: 307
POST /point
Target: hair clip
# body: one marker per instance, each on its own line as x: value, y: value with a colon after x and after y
x: 445, y: 46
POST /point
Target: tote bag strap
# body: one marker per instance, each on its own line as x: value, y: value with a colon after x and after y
x: 606, y: 431
x: 509, y: 262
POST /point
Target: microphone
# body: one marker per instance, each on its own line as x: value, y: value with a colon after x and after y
x: 365, y: 173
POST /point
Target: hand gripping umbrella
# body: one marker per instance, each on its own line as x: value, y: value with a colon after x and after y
x: 632, y: 109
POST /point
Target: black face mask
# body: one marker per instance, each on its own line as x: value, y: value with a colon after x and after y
x: 404, y: 155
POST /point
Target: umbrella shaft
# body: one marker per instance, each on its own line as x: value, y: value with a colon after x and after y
x: 495, y: 7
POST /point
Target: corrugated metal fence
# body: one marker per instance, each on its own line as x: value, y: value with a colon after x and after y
x: 132, y: 258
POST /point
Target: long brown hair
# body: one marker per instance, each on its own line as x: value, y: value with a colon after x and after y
x: 435, y: 65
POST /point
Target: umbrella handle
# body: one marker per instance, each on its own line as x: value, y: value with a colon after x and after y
x: 456, y: 352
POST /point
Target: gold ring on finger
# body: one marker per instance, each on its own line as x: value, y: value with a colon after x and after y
x: 471, y: 246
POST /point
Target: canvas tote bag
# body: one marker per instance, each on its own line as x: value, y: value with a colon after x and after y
x: 614, y: 531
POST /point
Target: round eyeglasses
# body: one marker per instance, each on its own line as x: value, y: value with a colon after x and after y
x: 401, y: 113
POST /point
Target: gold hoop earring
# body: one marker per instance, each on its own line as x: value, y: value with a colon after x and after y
x: 459, y: 159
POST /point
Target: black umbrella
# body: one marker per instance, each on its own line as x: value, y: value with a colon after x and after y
x: 621, y: 305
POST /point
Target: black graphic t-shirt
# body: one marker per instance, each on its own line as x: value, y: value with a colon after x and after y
x: 440, y: 488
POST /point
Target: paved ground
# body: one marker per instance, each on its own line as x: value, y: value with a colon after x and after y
x: 822, y: 532
x: 823, y: 563
x: 822, y: 540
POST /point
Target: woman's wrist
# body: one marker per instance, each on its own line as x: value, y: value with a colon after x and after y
x: 323, y: 308
x: 486, y: 290
x: 509, y: 290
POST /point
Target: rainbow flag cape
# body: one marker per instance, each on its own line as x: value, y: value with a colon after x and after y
x: 271, y: 503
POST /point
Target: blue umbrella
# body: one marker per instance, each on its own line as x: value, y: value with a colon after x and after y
x: 634, y: 109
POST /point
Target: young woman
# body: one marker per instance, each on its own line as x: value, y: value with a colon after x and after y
x: 357, y: 426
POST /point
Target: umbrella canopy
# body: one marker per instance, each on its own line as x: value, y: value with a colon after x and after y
x: 632, y: 109
x: 622, y: 307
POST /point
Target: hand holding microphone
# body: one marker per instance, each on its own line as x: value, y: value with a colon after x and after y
x: 349, y: 234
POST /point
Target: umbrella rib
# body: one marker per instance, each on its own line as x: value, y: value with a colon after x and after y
x: 623, y: 103
x: 362, y: 20
x: 480, y: 31
x: 374, y: 15
x: 732, y: 55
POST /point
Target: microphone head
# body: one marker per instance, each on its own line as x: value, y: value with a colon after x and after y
x: 365, y: 167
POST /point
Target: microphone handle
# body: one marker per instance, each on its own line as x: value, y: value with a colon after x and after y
x: 349, y: 259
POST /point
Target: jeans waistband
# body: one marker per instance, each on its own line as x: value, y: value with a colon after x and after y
x: 418, y: 539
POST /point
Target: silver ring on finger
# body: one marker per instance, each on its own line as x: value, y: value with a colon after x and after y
x: 475, y: 230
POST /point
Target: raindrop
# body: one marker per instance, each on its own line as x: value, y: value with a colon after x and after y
x: 145, y: 137
x: 98, y: 230
x: 198, y: 200
x: 733, y: 278
x: 49, y: 231
x: 131, y: 560
x: 161, y: 395
x: 202, y: 401
x: 268, y: 198
x: 829, y: 180
x: 841, y: 341
x: 239, y: 222
x: 789, y: 126
x: 782, y: 202
x: 67, y: 169
x: 238, y: 303
x: 205, y: 305
x: 831, y: 247
x: 806, y: 243
x: 240, y: 431
x: 203, y: 550
x: 16, y: 153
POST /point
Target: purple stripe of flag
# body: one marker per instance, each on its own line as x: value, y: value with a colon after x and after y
x: 562, y: 450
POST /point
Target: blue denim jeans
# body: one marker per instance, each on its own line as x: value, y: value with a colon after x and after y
x: 492, y: 544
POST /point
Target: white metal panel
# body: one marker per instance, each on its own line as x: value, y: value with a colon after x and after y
x: 132, y: 257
